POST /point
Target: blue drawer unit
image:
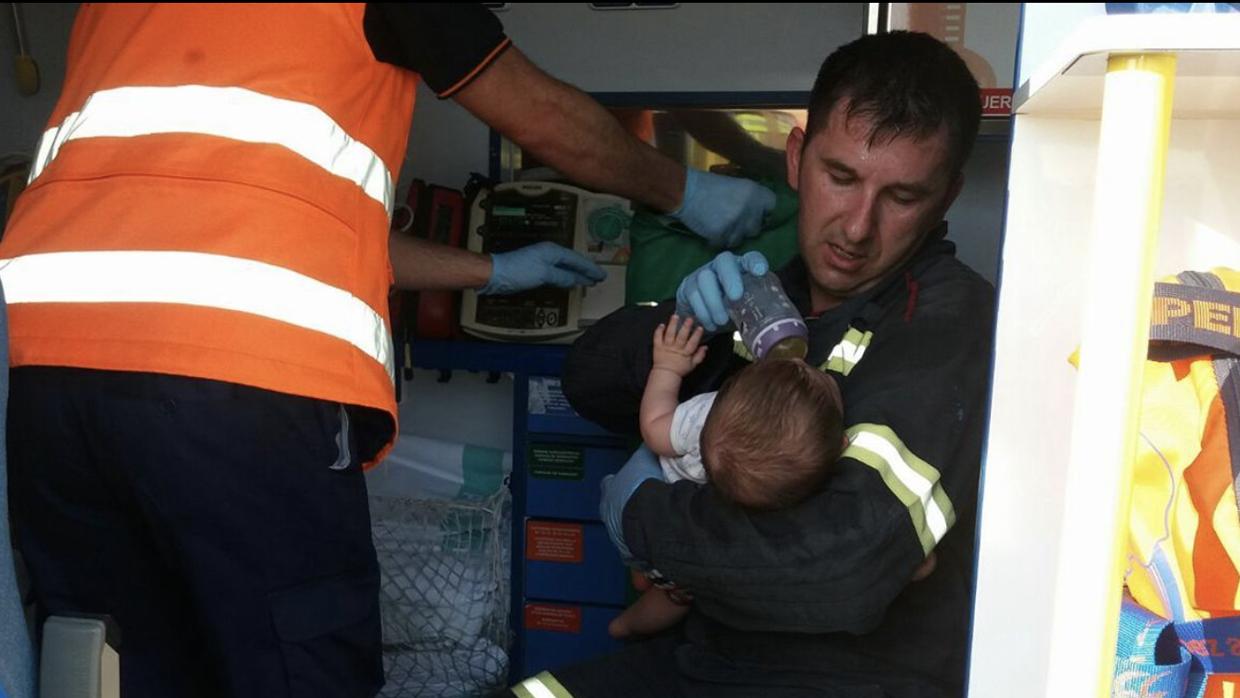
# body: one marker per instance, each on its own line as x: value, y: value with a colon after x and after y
x: 567, y: 561
x: 567, y: 580
x: 562, y: 479
x: 557, y: 635
x: 548, y: 411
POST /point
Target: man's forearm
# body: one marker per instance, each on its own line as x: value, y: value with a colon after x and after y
x: 421, y: 265
x: 563, y: 127
x: 600, y: 154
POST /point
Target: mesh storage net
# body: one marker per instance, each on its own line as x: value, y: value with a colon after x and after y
x: 443, y: 594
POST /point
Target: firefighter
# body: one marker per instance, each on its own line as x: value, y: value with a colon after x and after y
x: 819, y: 599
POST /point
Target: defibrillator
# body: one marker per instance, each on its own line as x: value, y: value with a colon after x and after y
x: 516, y: 214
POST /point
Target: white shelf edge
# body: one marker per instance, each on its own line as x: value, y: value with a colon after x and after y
x: 1079, y: 57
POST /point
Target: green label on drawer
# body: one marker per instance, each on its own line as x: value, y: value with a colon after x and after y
x: 556, y: 462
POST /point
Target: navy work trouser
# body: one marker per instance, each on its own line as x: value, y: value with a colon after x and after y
x: 224, y: 528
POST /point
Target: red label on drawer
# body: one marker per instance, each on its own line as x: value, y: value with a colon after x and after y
x: 557, y: 619
x: 554, y: 542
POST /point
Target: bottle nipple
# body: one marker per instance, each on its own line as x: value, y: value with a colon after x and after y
x: 789, y: 348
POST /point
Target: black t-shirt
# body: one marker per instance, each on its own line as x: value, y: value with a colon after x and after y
x: 448, y: 44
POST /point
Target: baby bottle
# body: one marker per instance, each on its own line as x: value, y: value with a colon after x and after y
x: 769, y: 324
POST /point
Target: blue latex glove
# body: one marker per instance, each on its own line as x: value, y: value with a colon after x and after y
x: 704, y: 293
x: 643, y: 465
x: 724, y: 210
x: 540, y: 264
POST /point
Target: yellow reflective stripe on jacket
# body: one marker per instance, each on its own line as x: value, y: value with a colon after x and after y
x: 847, y: 354
x: 843, y: 358
x: 195, y: 278
x: 226, y: 112
x: 739, y: 348
x: 912, y: 480
x: 542, y: 685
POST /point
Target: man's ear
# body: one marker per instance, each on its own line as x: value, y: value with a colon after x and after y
x: 792, y: 155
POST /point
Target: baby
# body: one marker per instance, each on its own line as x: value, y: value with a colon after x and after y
x: 766, y: 440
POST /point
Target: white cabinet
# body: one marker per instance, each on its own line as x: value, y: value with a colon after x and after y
x: 1038, y: 624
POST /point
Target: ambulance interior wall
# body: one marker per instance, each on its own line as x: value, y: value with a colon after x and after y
x: 696, y: 47
x: 22, y: 118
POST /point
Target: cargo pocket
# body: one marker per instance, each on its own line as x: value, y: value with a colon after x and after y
x: 330, y: 636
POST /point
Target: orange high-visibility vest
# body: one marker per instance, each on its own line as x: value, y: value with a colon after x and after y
x: 212, y: 198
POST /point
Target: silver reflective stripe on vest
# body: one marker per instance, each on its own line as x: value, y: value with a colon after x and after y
x: 227, y: 112
x: 912, y: 480
x: 194, y: 278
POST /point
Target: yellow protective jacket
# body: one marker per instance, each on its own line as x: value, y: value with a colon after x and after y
x: 1184, y: 522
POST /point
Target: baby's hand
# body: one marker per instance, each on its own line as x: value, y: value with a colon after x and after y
x: 676, y: 346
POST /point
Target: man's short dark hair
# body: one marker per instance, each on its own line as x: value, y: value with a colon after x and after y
x: 905, y: 84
